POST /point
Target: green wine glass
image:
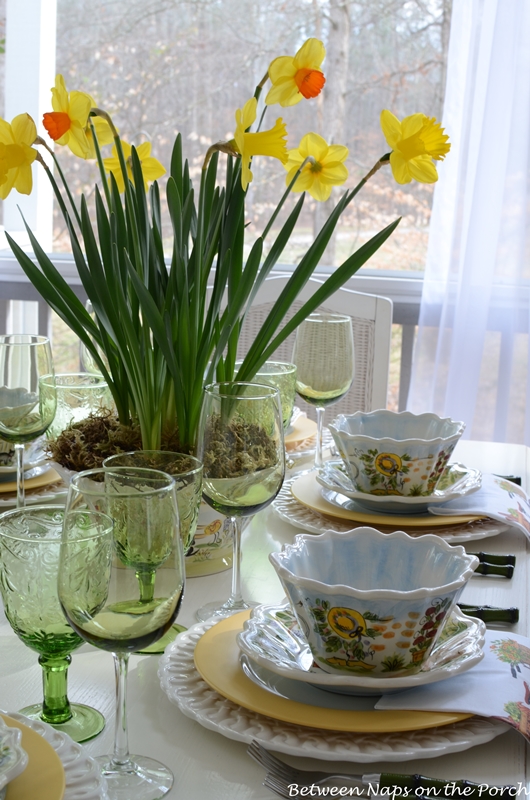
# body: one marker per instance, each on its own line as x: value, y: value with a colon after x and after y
x: 324, y: 357
x: 28, y: 396
x: 121, y: 591
x: 30, y: 541
x: 242, y: 448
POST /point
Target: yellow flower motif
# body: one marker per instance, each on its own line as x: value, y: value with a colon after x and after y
x: 17, y: 155
x: 264, y: 143
x: 325, y: 170
x: 301, y: 76
x: 415, y: 141
x: 67, y: 123
x: 152, y: 168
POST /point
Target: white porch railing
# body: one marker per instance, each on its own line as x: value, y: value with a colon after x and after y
x: 404, y: 289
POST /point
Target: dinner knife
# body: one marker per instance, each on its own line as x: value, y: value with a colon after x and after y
x: 388, y: 784
x: 413, y: 786
x: 491, y: 613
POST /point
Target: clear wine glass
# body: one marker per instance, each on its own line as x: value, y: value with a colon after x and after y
x: 30, y: 541
x: 28, y: 396
x: 324, y: 357
x: 122, y: 591
x: 242, y: 449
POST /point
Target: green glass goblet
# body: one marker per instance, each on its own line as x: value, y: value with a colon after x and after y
x: 30, y: 542
x: 135, y: 579
x: 185, y: 470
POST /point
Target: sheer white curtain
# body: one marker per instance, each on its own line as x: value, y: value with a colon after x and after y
x: 472, y: 354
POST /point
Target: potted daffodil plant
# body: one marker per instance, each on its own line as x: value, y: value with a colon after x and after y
x: 161, y: 325
x: 156, y: 331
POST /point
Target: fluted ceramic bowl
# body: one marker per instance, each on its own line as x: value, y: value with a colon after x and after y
x: 372, y: 603
x: 395, y: 453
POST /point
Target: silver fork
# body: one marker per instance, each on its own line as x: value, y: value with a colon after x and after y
x: 282, y: 774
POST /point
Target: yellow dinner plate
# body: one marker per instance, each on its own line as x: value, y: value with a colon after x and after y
x: 217, y: 661
x: 309, y: 493
x: 43, y: 778
x: 303, y: 428
x: 50, y: 476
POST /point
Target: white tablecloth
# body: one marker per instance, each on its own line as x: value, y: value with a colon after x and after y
x: 208, y: 766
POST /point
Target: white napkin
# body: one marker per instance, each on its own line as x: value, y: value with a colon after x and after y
x: 498, y: 687
x: 496, y: 498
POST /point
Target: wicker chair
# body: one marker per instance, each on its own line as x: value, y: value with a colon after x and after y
x: 372, y: 325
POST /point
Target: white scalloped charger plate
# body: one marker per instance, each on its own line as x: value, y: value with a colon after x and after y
x: 14, y: 758
x: 290, y: 510
x: 456, y: 482
x: 272, y: 639
x: 84, y: 780
x: 184, y: 686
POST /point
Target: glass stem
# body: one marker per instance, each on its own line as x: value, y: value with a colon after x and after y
x: 19, y: 457
x: 319, y: 461
x: 236, y: 597
x: 146, y: 582
x: 55, y: 706
x: 120, y: 756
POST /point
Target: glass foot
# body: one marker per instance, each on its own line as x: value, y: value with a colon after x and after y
x: 84, y: 724
x: 141, y: 778
x: 222, y: 610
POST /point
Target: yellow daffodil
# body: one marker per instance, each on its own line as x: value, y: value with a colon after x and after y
x: 265, y: 143
x: 415, y: 141
x: 324, y: 170
x: 67, y: 123
x: 151, y: 167
x: 301, y: 76
x: 103, y: 133
x: 17, y: 155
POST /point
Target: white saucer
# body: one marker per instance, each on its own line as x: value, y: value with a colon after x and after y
x: 456, y: 482
x: 34, y: 456
x: 272, y: 639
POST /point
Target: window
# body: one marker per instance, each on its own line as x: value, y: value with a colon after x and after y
x: 180, y: 65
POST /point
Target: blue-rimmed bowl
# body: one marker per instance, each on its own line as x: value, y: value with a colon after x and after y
x: 395, y: 453
x: 371, y: 603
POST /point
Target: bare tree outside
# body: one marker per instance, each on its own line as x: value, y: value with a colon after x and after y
x: 163, y: 66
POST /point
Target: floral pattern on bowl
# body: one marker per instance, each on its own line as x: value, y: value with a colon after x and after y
x: 389, y: 453
x: 13, y: 759
x: 370, y: 602
x: 456, y: 481
x: 273, y: 639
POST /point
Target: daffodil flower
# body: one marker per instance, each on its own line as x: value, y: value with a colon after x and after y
x: 103, y: 133
x: 265, y: 143
x: 17, y: 155
x: 415, y: 142
x: 296, y: 77
x: 67, y: 123
x: 152, y: 168
x: 324, y: 169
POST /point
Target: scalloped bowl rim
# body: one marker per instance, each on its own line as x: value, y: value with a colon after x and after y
x: 470, y: 562
x: 335, y: 428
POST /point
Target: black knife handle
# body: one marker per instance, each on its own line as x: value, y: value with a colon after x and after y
x: 495, y: 558
x: 484, y: 568
x: 491, y: 613
x: 439, y: 787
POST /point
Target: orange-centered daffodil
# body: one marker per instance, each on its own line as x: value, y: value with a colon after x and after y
x: 152, y: 168
x: 17, y: 155
x: 324, y: 170
x: 295, y: 77
x: 415, y: 142
x: 67, y: 123
x: 265, y: 143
